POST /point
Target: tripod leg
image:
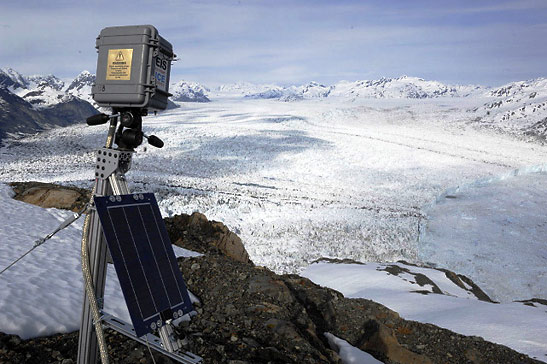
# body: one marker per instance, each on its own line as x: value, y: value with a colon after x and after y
x: 119, y: 184
x: 87, y: 345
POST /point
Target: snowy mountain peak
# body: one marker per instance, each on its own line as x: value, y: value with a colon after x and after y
x: 400, y: 87
x: 246, y: 89
x: 394, y: 88
x: 315, y: 90
x: 189, y: 91
x: 12, y: 79
x: 521, y: 88
x: 84, y: 79
x: 43, y: 82
x: 519, y: 107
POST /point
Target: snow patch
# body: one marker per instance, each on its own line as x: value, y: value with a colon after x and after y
x: 43, y: 293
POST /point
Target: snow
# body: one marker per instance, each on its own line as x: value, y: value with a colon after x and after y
x: 398, y: 88
x: 43, y: 293
x: 39, y: 90
x: 242, y: 89
x: 52, y: 81
x: 518, y: 107
x: 518, y: 326
x: 346, y: 177
x: 81, y: 87
x: 350, y: 354
x: 17, y: 79
x: 189, y: 91
x: 297, y: 181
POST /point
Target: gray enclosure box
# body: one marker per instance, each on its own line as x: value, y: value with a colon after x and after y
x: 133, y: 68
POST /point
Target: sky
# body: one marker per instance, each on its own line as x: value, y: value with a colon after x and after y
x: 292, y: 42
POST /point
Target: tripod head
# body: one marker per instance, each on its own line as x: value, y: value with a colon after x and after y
x: 129, y: 134
x: 133, y: 70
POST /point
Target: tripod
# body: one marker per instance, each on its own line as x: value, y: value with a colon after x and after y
x: 107, y: 182
x: 110, y: 168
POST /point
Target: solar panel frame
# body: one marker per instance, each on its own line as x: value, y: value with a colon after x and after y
x: 151, y: 282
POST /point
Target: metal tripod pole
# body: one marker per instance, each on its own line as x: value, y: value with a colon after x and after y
x: 110, y: 168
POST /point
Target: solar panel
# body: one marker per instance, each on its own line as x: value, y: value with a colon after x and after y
x: 143, y: 257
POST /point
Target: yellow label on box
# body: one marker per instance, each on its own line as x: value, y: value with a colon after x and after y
x: 119, y: 64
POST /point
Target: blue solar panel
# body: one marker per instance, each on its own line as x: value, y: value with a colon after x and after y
x: 147, y: 269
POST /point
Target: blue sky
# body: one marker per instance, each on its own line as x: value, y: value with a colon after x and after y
x: 291, y: 42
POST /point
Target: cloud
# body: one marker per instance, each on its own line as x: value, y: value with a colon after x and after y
x: 291, y: 42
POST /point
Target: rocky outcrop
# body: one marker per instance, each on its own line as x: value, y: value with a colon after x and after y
x: 249, y: 314
x: 196, y: 233
x: 51, y: 195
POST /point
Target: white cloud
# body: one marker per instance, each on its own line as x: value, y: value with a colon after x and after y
x: 296, y: 41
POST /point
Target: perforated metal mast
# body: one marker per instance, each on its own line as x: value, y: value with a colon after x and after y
x: 132, y: 76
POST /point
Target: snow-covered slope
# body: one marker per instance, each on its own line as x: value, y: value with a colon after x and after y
x: 44, y: 96
x: 314, y: 90
x: 431, y: 296
x: 189, y: 92
x: 50, y: 81
x: 22, y: 85
x: 12, y: 79
x: 81, y: 87
x: 275, y: 92
x: 519, y: 107
x: 33, y: 103
x: 42, y: 294
x: 46, y: 91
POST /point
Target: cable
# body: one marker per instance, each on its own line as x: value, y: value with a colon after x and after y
x: 90, y: 290
x: 18, y: 259
x: 39, y: 242
x: 88, y: 280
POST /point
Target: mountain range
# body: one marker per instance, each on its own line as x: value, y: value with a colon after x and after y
x: 518, y: 105
x: 32, y: 103
x: 403, y: 87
